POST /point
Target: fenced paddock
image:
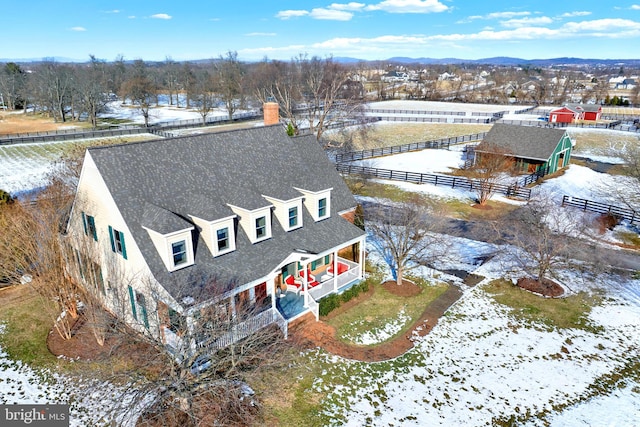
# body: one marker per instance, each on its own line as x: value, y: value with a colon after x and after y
x: 435, y: 179
x: 601, y: 208
x: 405, y: 148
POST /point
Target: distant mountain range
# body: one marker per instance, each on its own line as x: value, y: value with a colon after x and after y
x: 497, y: 60
x: 502, y: 60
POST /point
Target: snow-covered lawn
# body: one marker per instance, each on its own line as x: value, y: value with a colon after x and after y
x: 480, y: 364
x: 93, y: 402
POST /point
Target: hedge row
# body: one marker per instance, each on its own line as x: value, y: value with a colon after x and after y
x: 333, y: 301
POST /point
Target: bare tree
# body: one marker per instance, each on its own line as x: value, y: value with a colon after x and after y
x: 405, y: 235
x: 490, y: 165
x: 140, y: 88
x: 204, y: 96
x: 30, y: 247
x: 171, y: 79
x: 187, y: 79
x: 202, y: 375
x: 539, y: 237
x: 92, y: 89
x: 228, y: 81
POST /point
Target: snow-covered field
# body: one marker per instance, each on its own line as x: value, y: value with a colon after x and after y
x: 480, y: 365
x: 443, y: 106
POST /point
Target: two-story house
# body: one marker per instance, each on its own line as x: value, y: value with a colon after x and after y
x: 170, y: 229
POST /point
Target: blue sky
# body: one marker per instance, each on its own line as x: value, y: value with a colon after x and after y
x: 282, y: 29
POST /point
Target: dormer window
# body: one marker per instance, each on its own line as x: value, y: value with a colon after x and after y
x: 179, y: 250
x: 322, y: 208
x: 256, y: 223
x: 288, y: 212
x: 318, y: 203
x: 293, y: 217
x: 261, y: 227
x: 171, y: 235
x: 222, y: 239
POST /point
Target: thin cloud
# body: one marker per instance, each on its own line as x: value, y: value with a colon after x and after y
x: 330, y: 15
x: 352, y: 6
x: 78, y: 29
x: 288, y: 14
x: 161, y: 16
x: 527, y: 22
x: 344, y: 11
x: 572, y: 14
x: 131, y: 17
x: 499, y: 15
x: 112, y: 11
x: 635, y: 7
x: 409, y: 6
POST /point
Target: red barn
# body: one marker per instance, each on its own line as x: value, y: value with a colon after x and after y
x: 562, y: 115
x: 587, y: 111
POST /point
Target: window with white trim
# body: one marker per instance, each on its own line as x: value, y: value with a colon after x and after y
x: 322, y: 208
x: 179, y: 252
x: 293, y: 217
x: 261, y: 227
x: 222, y: 237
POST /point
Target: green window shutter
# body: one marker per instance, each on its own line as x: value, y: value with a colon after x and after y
x: 327, y: 259
x: 143, y: 310
x: 113, y: 245
x: 84, y: 223
x: 285, y: 272
x: 132, y: 298
x: 124, y: 248
x: 94, y: 230
x: 313, y: 265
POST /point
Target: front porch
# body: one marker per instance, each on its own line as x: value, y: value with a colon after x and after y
x: 295, y: 300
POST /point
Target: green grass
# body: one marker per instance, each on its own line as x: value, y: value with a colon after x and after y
x: 569, y: 312
x: 383, y: 307
x: 27, y: 325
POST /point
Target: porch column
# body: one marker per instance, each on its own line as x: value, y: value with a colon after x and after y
x: 335, y: 271
x: 362, y: 257
x: 273, y: 292
x: 305, y: 285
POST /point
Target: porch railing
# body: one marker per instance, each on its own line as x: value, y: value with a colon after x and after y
x: 282, y: 323
x: 243, y: 329
x: 326, y: 286
x: 314, y: 306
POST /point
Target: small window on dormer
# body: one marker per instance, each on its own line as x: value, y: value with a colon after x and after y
x: 293, y: 217
x: 261, y: 227
x: 322, y: 208
x: 179, y: 251
x: 222, y: 236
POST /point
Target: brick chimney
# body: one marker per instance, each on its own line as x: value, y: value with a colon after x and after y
x: 271, y: 113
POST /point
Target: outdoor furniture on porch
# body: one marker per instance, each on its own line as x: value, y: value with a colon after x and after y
x: 342, y: 267
x: 293, y: 284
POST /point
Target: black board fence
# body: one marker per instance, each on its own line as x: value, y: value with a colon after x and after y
x: 405, y: 148
x: 435, y: 179
x: 602, y: 208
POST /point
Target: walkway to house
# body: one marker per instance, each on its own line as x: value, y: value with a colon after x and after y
x: 310, y: 333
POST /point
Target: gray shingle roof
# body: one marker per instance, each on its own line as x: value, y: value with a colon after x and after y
x: 198, y: 175
x: 592, y: 108
x: 526, y: 142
